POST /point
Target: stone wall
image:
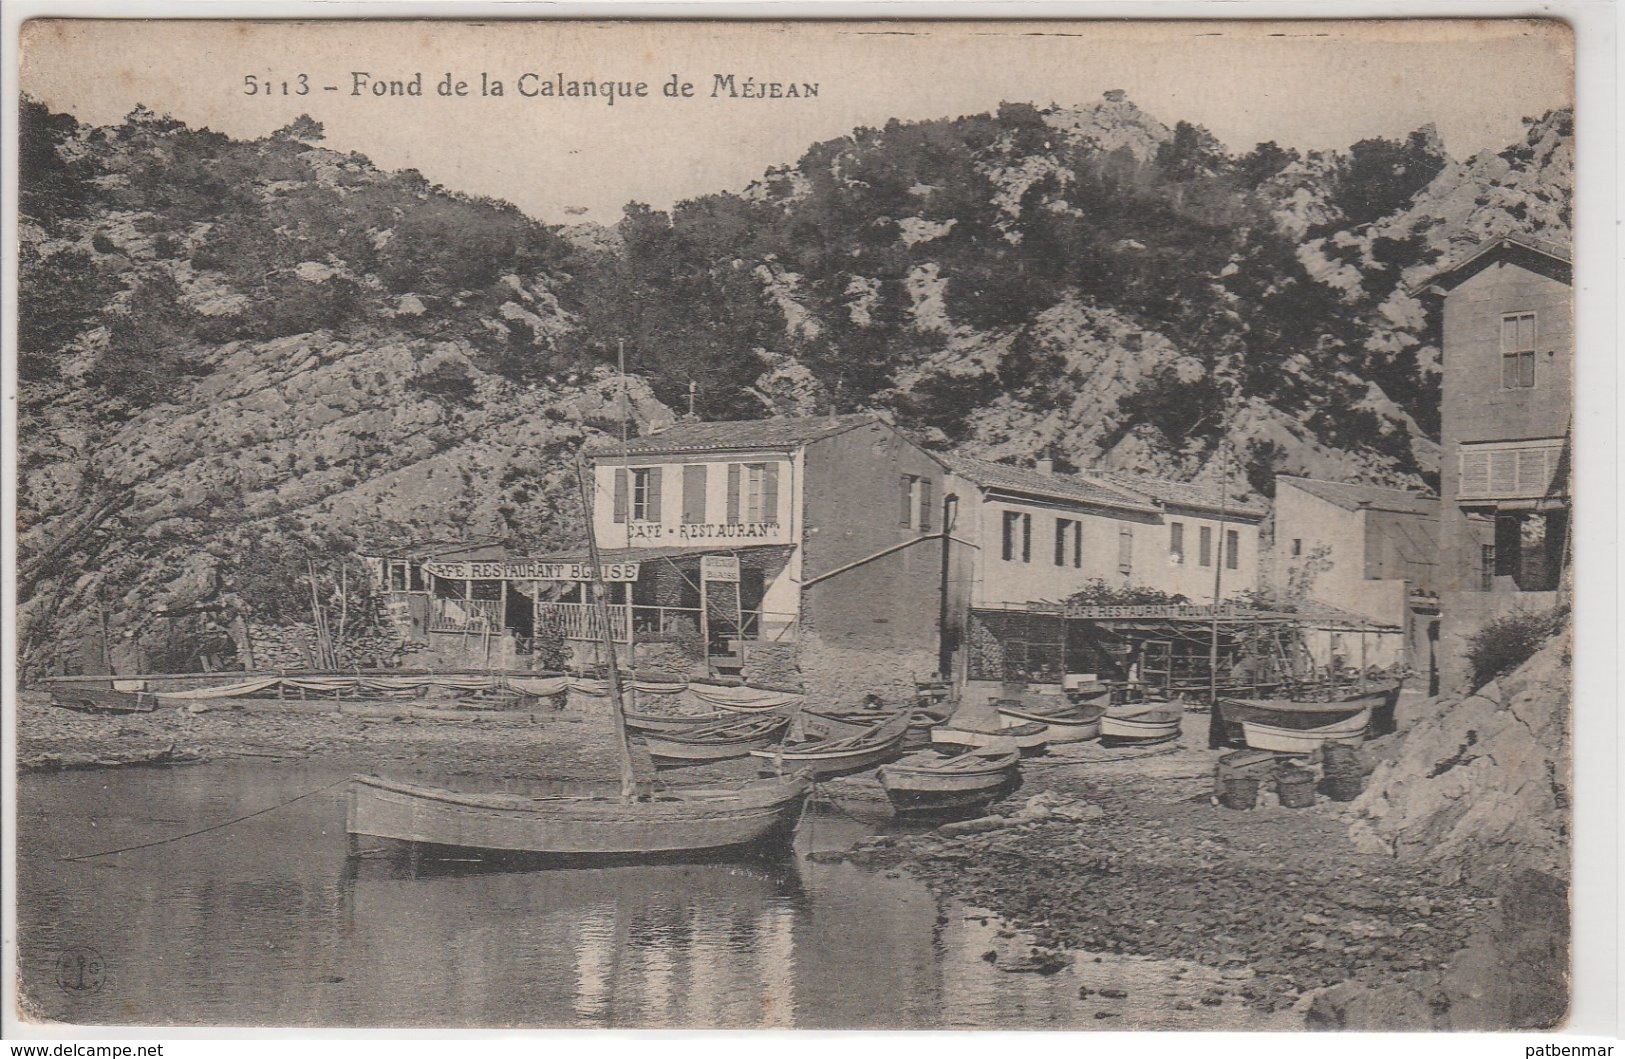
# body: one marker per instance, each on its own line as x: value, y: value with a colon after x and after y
x: 839, y: 675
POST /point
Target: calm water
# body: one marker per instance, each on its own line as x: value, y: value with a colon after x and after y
x: 267, y: 922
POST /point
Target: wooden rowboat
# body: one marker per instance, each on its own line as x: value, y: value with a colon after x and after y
x: 714, y: 742
x: 1261, y: 736
x: 831, y: 723
x: 922, y: 783
x: 674, y: 722
x: 843, y: 754
x: 1066, y: 723
x: 1144, y: 724
x: 103, y: 700
x: 1028, y: 738
x: 761, y: 816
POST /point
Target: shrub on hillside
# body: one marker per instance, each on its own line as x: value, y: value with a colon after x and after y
x: 1506, y: 643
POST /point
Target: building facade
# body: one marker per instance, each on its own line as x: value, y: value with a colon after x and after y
x: 1366, y: 549
x: 820, y: 534
x: 1508, y: 381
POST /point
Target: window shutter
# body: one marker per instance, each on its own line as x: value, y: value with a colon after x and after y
x: 770, y: 492
x: 1526, y: 368
x: 1009, y: 536
x: 905, y: 507
x: 620, y: 494
x: 1026, y: 538
x: 1232, y: 549
x: 694, y: 479
x: 1176, y: 541
x: 653, y: 512
x: 1204, y: 546
x: 1077, y: 544
x: 1475, y: 474
x: 1125, y: 551
x: 1503, y: 472
x: 925, y: 505
x: 1060, y: 541
x: 733, y: 493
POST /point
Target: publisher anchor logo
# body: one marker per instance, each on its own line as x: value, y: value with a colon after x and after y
x: 80, y: 969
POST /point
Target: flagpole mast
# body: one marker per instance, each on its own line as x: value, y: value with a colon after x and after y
x: 600, y: 593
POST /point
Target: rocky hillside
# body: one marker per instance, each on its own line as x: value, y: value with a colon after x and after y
x: 239, y: 355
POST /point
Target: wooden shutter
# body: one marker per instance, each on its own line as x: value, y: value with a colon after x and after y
x: 620, y: 494
x: 652, y: 512
x: 1475, y: 474
x: 770, y: 493
x: 1009, y: 535
x: 925, y: 505
x: 1503, y: 472
x: 1125, y: 550
x: 694, y: 480
x: 1176, y: 541
x: 733, y: 493
x: 905, y: 506
x: 1526, y: 369
x: 1060, y: 541
x: 1077, y: 544
x: 1204, y: 546
x: 1026, y: 538
x: 1232, y: 549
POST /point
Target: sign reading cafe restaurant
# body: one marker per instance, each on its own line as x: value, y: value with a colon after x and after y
x: 527, y: 570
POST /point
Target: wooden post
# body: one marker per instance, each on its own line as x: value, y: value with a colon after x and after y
x: 1218, y: 574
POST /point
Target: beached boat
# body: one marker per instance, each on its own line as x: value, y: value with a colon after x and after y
x: 1029, y: 738
x: 103, y: 700
x: 1262, y: 736
x: 831, y: 723
x: 675, y: 722
x: 1142, y: 723
x: 1305, y: 708
x: 838, y: 755
x: 717, y: 741
x: 1066, y: 723
x: 759, y: 816
x: 928, y: 782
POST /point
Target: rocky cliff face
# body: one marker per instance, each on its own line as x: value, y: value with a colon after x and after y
x: 237, y: 355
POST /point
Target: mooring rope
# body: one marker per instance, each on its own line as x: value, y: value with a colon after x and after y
x: 211, y: 827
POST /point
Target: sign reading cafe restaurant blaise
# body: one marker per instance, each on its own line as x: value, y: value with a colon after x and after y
x: 527, y: 570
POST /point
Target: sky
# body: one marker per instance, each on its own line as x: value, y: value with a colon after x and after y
x: 1309, y: 85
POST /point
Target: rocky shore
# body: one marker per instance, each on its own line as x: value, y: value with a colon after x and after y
x: 1101, y: 852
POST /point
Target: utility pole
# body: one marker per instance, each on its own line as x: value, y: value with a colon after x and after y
x: 1218, y: 570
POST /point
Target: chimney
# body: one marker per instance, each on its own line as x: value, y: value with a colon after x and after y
x: 1046, y: 466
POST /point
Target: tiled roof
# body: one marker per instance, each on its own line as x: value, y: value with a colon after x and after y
x: 1179, y: 494
x: 1462, y: 264
x: 422, y: 550
x: 1355, y: 495
x: 736, y: 434
x: 1059, y: 486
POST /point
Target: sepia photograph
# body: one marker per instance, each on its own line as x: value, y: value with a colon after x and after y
x: 864, y: 525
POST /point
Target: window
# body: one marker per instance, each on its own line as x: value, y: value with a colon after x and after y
x: 1297, y: 546
x: 1125, y: 551
x: 1018, y: 536
x: 694, y: 481
x: 1205, y: 547
x: 1232, y: 549
x: 1068, y: 542
x: 1517, y: 351
x: 914, y: 503
x: 1176, y: 543
x: 753, y: 493
x: 637, y: 494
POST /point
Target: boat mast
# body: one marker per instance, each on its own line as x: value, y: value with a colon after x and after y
x: 600, y: 593
x: 1218, y: 573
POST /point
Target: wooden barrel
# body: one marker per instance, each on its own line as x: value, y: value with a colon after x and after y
x: 1296, y: 788
x: 1240, y: 792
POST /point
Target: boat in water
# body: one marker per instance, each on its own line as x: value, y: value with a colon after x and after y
x: 839, y: 755
x: 716, y: 741
x: 759, y: 817
x: 1143, y: 723
x: 1264, y: 736
x: 931, y: 783
x: 640, y: 824
x: 1029, y: 738
x: 1066, y: 723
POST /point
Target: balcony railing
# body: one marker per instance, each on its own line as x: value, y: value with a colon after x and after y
x: 466, y: 615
